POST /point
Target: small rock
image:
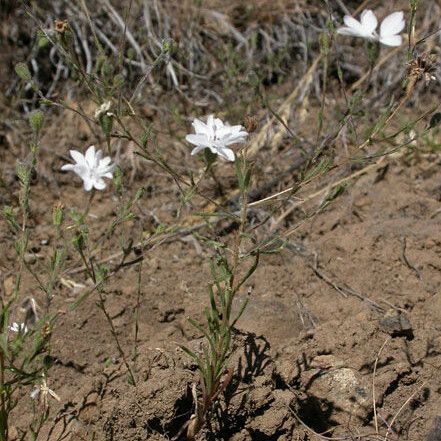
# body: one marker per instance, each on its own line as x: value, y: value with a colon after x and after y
x: 343, y: 387
x: 30, y: 258
x: 9, y: 285
x: 396, y: 324
x: 168, y: 313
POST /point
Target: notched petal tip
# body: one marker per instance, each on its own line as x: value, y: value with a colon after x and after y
x: 227, y: 154
x: 196, y: 150
x: 100, y: 184
x: 68, y: 167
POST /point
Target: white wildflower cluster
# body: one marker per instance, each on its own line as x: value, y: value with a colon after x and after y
x: 91, y: 167
x: 390, y: 27
x: 216, y: 136
x: 19, y: 328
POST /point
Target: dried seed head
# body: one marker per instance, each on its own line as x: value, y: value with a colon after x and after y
x: 423, y: 66
x: 61, y: 26
x: 250, y: 123
x: 46, y: 330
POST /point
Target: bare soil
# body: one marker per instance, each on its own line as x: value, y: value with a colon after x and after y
x: 361, y: 276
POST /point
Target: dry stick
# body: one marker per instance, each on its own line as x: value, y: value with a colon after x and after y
x: 379, y: 163
x: 343, y: 7
x: 406, y: 260
x: 285, y: 107
x: 376, y: 67
x: 361, y: 7
x: 91, y: 26
x: 389, y: 428
x: 328, y: 438
x: 168, y: 238
x: 373, y: 384
x: 137, y: 308
x: 343, y: 290
x: 102, y: 306
x: 317, y: 193
x: 118, y: 20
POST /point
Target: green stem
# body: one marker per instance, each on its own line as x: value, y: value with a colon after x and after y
x: 4, y: 414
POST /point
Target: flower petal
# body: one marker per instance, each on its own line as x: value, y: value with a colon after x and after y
x: 105, y: 161
x: 218, y: 124
x: 88, y: 184
x: 200, y: 127
x: 90, y: 156
x: 349, y: 31
x: 227, y: 154
x: 393, y: 24
x: 77, y: 156
x: 68, y: 167
x: 368, y: 21
x: 99, y: 184
x: 197, y: 149
x: 198, y: 139
x: 210, y: 122
x: 351, y: 22
x: 393, y: 40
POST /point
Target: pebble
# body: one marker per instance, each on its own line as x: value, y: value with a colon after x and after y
x: 30, y: 258
x: 396, y: 324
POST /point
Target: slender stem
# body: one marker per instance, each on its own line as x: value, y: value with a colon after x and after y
x: 137, y: 307
x: 115, y: 337
x: 4, y: 415
x: 89, y: 203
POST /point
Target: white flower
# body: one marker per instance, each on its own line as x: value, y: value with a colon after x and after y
x: 103, y: 110
x: 18, y: 327
x: 390, y: 27
x: 35, y: 393
x: 43, y: 391
x: 216, y: 136
x: 91, y: 168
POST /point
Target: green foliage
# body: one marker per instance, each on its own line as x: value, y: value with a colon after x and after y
x: 23, y: 72
x: 36, y: 120
x: 11, y: 219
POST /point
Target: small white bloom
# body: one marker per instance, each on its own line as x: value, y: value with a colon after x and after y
x: 390, y: 27
x: 103, y: 110
x: 42, y: 391
x: 35, y: 393
x: 91, y: 168
x: 216, y: 136
x: 18, y: 327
